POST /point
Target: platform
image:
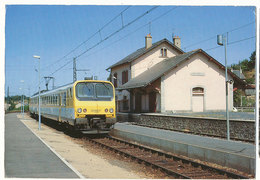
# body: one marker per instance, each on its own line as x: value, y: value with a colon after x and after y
x: 233, y: 154
x: 26, y: 156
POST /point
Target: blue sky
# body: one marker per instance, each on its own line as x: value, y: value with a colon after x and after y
x: 53, y: 31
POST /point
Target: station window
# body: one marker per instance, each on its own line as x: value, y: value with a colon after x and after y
x: 124, y: 76
x: 163, y: 52
x: 197, y: 90
x: 115, y: 80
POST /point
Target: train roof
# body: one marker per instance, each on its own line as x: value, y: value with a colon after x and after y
x: 61, y: 88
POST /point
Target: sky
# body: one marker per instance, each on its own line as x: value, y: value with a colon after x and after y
x: 102, y: 35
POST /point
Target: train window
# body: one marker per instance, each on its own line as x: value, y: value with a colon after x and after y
x: 57, y: 99
x: 54, y: 99
x: 64, y: 99
x: 85, y: 91
x: 104, y: 91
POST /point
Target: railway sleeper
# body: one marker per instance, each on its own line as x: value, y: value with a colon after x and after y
x: 149, y: 160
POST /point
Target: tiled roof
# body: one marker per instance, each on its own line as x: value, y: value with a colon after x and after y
x: 239, y: 74
x: 158, y: 70
x: 142, y: 51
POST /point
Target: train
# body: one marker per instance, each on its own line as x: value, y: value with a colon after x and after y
x: 85, y: 105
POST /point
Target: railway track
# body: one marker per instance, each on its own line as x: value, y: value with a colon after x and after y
x: 174, y: 166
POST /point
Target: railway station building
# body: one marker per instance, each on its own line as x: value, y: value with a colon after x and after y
x: 161, y: 77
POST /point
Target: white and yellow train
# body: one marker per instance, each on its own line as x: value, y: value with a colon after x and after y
x: 87, y: 105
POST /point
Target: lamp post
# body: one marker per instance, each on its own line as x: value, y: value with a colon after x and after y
x: 220, y: 39
x: 39, y: 93
x: 22, y: 81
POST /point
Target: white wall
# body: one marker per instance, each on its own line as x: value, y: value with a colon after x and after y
x: 150, y: 59
x: 195, y: 72
x: 140, y: 65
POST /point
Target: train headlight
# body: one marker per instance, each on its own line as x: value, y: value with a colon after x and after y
x: 85, y: 110
x: 79, y: 110
x: 111, y: 110
x: 106, y: 110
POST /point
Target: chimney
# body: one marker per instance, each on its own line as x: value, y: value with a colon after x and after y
x: 148, y: 41
x: 177, y: 41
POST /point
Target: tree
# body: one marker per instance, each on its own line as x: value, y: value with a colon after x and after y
x: 251, y: 63
x: 237, y: 97
x: 244, y: 65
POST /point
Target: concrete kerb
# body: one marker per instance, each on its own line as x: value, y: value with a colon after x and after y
x: 60, y: 157
x: 223, y: 158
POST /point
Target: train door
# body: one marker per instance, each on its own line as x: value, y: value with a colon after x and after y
x: 63, y: 105
x: 59, y: 100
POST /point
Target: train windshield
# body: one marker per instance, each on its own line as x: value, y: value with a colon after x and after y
x: 94, y: 91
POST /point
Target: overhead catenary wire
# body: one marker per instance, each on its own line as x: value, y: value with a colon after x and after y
x: 117, y: 31
x: 112, y: 34
x: 234, y: 42
x: 213, y: 37
x: 93, y: 35
x: 109, y: 36
x: 140, y: 27
x: 81, y: 54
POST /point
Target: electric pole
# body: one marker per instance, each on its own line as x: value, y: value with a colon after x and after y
x: 75, y: 70
x: 47, y: 80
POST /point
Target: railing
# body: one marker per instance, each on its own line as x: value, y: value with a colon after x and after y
x: 245, y: 109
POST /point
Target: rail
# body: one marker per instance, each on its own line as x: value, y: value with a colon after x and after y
x: 173, y: 165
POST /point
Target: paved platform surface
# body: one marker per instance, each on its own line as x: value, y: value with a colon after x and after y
x: 234, y: 154
x: 26, y: 156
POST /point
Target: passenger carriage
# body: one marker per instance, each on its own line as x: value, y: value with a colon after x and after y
x: 87, y: 105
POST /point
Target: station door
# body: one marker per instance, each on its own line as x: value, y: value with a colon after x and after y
x: 198, y: 99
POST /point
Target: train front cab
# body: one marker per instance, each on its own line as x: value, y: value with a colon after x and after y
x: 94, y: 105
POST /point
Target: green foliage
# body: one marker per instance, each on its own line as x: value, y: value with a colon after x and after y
x: 246, y: 102
x: 237, y: 98
x: 251, y: 63
x: 12, y: 107
x: 250, y: 80
x: 246, y: 65
x: 13, y: 99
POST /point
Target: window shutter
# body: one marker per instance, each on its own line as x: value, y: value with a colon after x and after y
x: 126, y: 76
